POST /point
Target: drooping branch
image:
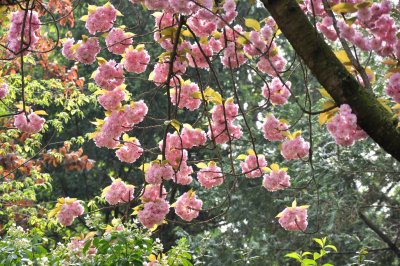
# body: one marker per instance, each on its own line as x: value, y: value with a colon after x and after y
x: 379, y: 123
x: 381, y: 234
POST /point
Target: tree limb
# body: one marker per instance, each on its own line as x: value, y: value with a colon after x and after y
x: 372, y: 117
x: 381, y: 234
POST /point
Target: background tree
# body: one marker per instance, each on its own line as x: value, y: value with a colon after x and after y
x: 341, y: 197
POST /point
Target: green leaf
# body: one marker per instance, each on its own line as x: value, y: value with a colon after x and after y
x: 252, y: 23
x: 319, y: 241
x: 295, y: 256
x: 316, y: 256
x: 331, y: 247
x: 307, y: 262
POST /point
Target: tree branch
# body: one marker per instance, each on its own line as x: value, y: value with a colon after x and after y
x: 381, y: 234
x: 372, y: 117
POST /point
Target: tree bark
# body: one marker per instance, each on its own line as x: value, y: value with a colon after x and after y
x: 373, y: 118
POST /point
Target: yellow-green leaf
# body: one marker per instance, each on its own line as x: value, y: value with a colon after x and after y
x: 344, y: 8
x: 201, y: 165
x: 252, y: 23
x: 241, y: 157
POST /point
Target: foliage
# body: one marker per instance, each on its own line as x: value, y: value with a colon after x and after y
x: 307, y: 258
x: 105, y: 167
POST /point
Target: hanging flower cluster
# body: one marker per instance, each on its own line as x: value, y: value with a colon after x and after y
x: 118, y: 192
x: 66, y: 210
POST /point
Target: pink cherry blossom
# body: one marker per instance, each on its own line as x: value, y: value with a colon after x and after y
x: 197, y: 57
x: 343, y: 127
x: 294, y: 219
x: 153, y: 213
x: 193, y: 137
x: 393, y: 87
x: 136, y: 61
x: 203, y: 23
x: 117, y: 41
x: 183, y: 176
x: 101, y: 19
x: 273, y: 129
x: 233, y: 57
x: 69, y: 211
x: 188, y: 206
x: 87, y: 51
x: 26, y: 40
x: 210, y: 176
x: 109, y: 75
x: 220, y: 131
x: 250, y: 167
x: 119, y: 192
x: 67, y: 50
x: 158, y: 172
x: 184, y: 96
x: 32, y: 125
x: 272, y: 65
x: 112, y: 100
x: 277, y: 92
x: 276, y: 180
x: 295, y: 148
x: 76, y: 246
x: 130, y: 152
x: 3, y: 90
x: 153, y: 193
x: 135, y: 113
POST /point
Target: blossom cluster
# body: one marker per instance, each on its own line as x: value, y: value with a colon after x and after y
x: 294, y: 218
x: 188, y: 206
x: 3, y: 90
x: 31, y: 123
x: 277, y: 179
x: 118, y: 192
x: 23, y: 32
x: 343, y: 127
x: 253, y: 165
x: 222, y: 128
x: 69, y: 211
x: 276, y: 92
x: 233, y: 46
x: 274, y: 129
x: 295, y: 148
x: 210, y: 176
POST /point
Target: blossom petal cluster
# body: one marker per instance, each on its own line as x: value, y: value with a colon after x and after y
x: 274, y: 129
x: 100, y: 18
x: 253, y: 164
x: 294, y: 218
x: 3, y: 90
x: 118, y: 192
x: 153, y: 213
x: 296, y: 148
x: 188, y: 206
x: 31, y: 123
x: 277, y: 179
x: 210, y: 176
x: 277, y: 92
x: 343, y: 127
x: 69, y: 211
x: 23, y: 32
x: 222, y: 128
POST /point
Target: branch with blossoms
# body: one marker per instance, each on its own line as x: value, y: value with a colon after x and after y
x: 195, y: 37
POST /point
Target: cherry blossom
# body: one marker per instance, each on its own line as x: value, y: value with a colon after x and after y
x: 118, y: 192
x: 188, y: 206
